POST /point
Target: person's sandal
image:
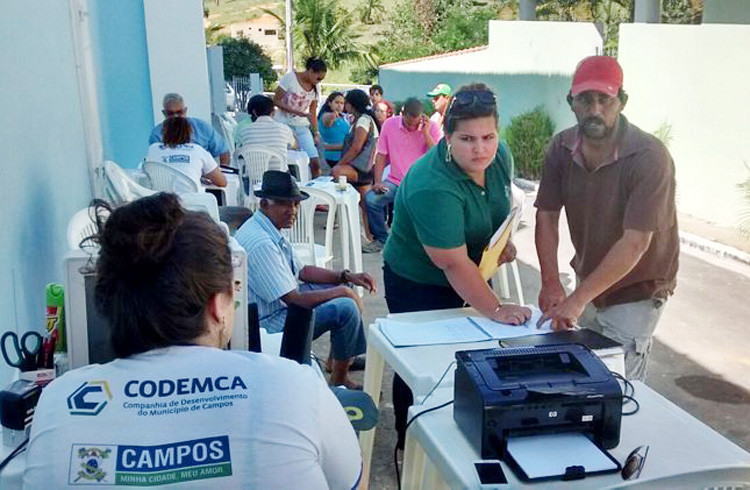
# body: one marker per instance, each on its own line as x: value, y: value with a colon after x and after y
x: 358, y: 364
x: 373, y: 247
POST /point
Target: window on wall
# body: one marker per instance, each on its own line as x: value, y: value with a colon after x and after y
x: 270, y: 32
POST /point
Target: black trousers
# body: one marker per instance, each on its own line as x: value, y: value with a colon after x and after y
x: 404, y: 296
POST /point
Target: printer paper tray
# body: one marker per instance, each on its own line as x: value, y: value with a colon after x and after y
x: 562, y: 456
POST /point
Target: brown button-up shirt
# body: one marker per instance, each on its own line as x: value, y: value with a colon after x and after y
x: 634, y: 189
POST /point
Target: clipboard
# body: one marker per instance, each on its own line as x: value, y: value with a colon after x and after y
x: 488, y: 264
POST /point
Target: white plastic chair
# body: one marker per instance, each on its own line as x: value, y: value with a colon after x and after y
x: 166, y: 178
x: 201, y: 201
x: 119, y: 187
x: 500, y: 279
x: 252, y: 163
x: 301, y: 162
x: 83, y: 225
x: 302, y: 234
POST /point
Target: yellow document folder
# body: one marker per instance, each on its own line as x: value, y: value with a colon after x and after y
x: 488, y: 265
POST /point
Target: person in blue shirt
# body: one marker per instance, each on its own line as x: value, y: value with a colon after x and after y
x: 202, y: 133
x: 277, y: 279
x: 333, y: 127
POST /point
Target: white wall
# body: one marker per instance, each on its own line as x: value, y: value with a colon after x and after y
x: 44, y: 176
x: 552, y: 48
x: 177, y: 54
x: 694, y: 77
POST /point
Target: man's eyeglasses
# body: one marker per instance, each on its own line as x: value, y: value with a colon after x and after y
x: 470, y: 97
x: 177, y: 113
x: 634, y: 463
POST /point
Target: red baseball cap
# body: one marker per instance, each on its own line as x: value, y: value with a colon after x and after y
x: 600, y: 73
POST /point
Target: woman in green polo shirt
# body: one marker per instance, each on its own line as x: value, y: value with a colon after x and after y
x: 446, y: 210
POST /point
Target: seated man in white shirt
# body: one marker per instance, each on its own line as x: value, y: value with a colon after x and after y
x: 264, y: 132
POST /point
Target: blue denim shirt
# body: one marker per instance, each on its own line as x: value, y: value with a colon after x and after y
x: 202, y: 133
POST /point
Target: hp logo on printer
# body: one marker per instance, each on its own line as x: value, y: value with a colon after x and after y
x: 90, y: 398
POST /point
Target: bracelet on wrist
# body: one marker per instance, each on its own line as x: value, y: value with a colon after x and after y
x: 344, y: 276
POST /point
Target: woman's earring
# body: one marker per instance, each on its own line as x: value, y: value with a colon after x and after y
x: 448, y: 155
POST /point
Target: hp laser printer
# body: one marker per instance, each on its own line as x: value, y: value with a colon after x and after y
x: 502, y: 393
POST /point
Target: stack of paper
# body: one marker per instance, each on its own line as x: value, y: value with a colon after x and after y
x: 457, y: 330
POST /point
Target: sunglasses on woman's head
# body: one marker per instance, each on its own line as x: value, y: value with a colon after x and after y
x: 471, y: 97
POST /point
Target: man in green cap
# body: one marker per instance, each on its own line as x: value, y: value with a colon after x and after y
x: 441, y: 97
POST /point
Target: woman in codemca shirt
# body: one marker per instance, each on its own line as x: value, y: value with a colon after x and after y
x: 174, y: 407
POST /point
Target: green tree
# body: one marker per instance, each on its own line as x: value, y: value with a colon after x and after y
x: 242, y: 57
x: 371, y: 11
x: 681, y: 11
x: 457, y: 30
x: 324, y: 29
x: 429, y: 27
x: 528, y: 135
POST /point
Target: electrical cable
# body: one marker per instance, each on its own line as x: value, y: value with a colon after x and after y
x: 627, y: 397
x: 395, y: 449
x: 21, y: 448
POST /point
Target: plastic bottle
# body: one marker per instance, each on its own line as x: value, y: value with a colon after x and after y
x: 55, y: 314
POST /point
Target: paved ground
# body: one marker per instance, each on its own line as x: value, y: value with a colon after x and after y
x: 700, y: 358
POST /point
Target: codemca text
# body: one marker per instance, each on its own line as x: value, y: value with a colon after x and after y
x: 185, y: 405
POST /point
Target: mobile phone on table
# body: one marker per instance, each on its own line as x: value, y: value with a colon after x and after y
x: 490, y: 473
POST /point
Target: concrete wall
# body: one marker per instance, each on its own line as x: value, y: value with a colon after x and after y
x: 694, y: 78
x: 517, y: 93
x: 726, y: 12
x: 121, y: 59
x: 44, y: 174
x: 177, y: 54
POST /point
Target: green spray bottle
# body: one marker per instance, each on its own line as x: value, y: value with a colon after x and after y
x: 55, y: 314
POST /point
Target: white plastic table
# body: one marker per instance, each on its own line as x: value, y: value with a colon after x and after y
x: 422, y: 367
x: 348, y: 204
x: 683, y: 452
x: 230, y: 195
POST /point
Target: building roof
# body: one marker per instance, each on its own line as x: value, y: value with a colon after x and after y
x: 435, y: 56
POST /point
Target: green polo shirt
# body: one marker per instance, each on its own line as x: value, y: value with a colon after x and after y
x: 438, y: 205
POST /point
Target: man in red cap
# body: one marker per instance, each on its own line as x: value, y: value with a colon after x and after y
x: 617, y: 186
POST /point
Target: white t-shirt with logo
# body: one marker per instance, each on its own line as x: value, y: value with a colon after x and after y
x: 297, y: 98
x: 192, y: 159
x: 197, y: 417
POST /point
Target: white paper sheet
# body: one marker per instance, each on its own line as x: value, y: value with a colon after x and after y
x: 500, y: 331
x: 549, y: 454
x: 451, y: 331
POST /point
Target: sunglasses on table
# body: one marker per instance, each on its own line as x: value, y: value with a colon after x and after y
x: 634, y: 463
x: 471, y: 97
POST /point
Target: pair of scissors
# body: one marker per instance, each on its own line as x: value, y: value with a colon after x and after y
x: 20, y: 354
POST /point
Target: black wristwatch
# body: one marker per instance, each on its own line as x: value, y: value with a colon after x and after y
x: 343, y: 277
